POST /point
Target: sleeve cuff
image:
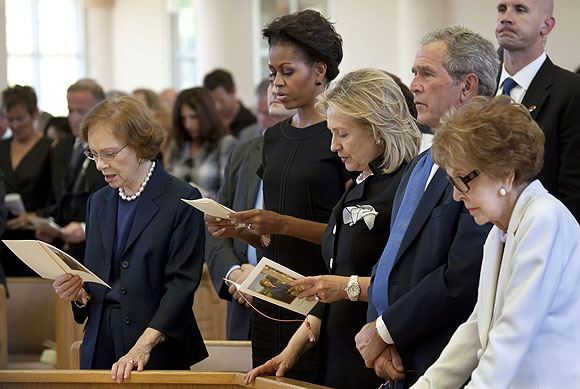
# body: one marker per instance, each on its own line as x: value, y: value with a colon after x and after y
x: 227, y: 277
x: 383, y: 331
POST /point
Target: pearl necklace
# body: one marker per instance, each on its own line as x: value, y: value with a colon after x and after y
x: 136, y: 195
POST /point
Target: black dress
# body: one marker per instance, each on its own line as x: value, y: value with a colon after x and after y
x: 347, y: 250
x: 304, y: 179
x: 31, y: 179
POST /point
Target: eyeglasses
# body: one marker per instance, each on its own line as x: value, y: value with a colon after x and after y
x: 104, y: 157
x: 460, y: 182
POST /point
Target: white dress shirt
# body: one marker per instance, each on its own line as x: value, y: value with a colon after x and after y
x: 523, y: 78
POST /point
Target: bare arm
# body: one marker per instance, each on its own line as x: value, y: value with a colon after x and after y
x: 262, y: 222
x: 330, y: 288
x: 298, y: 345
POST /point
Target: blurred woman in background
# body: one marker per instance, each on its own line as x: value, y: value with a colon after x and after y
x: 24, y: 160
x: 201, y: 143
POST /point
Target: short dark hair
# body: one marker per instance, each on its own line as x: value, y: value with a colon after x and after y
x: 312, y: 35
x: 60, y: 122
x: 217, y: 78
x: 20, y: 95
x: 211, y: 128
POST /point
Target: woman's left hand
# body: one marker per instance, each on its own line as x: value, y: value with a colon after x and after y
x: 327, y: 288
x: 136, y: 358
x: 259, y: 221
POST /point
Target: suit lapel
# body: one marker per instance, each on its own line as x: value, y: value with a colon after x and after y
x: 107, y: 222
x: 539, y: 89
x: 147, y: 207
x: 426, y: 205
x: 254, y: 157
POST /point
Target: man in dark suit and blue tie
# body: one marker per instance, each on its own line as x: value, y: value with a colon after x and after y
x: 425, y: 283
x: 551, y: 94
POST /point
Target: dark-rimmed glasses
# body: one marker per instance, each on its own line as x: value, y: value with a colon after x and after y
x: 460, y: 182
x: 105, y: 157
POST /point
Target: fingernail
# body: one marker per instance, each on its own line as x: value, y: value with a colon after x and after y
x: 218, y: 219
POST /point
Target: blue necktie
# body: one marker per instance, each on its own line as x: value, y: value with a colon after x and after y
x: 508, y: 85
x: 413, y: 193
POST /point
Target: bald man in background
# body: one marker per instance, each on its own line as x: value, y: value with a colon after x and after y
x: 551, y: 94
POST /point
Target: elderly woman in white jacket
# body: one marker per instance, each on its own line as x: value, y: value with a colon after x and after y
x: 525, y: 329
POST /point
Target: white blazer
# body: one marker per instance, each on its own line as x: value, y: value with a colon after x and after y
x: 525, y: 329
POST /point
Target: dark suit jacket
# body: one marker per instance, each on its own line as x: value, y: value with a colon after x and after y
x: 238, y: 192
x: 160, y: 270
x: 71, y: 205
x: 555, y: 94
x: 433, y: 283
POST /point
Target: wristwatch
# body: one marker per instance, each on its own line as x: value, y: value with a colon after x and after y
x: 353, y: 288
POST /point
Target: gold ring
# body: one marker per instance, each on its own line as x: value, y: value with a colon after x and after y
x: 132, y: 361
x: 249, y: 226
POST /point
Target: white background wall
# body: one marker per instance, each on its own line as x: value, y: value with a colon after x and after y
x: 128, y: 45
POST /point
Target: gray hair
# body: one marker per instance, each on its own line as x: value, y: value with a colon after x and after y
x: 467, y: 52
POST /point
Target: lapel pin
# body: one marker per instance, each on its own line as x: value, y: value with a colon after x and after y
x: 532, y: 108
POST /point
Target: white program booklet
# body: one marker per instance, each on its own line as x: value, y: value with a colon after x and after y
x: 50, y: 262
x: 270, y: 281
x: 211, y: 207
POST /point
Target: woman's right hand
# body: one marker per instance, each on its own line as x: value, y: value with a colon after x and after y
x: 221, y: 228
x: 327, y: 288
x: 69, y: 288
x: 278, y: 365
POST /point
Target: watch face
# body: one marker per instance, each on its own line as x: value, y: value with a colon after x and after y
x: 353, y: 290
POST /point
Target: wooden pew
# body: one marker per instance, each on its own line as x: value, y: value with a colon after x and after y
x: 3, y: 329
x: 152, y: 379
x: 30, y: 320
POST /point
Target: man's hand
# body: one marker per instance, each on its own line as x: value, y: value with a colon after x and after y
x: 369, y: 343
x: 238, y: 276
x: 73, y: 233
x: 389, y: 365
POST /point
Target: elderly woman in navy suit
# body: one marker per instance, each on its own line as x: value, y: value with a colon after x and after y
x: 145, y: 243
x: 524, y: 330
x: 375, y: 136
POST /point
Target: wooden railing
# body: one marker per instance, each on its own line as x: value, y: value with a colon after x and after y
x: 152, y: 379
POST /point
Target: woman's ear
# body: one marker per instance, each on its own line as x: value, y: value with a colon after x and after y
x: 508, y: 182
x: 320, y: 69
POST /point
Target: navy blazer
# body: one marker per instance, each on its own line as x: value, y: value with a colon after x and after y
x: 239, y: 191
x: 433, y: 283
x: 553, y: 100
x: 160, y: 270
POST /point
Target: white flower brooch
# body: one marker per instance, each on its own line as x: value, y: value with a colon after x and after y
x: 354, y: 213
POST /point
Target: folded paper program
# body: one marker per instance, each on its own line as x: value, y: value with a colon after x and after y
x: 352, y: 214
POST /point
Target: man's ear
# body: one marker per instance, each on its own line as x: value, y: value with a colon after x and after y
x: 469, y: 87
x: 547, y: 25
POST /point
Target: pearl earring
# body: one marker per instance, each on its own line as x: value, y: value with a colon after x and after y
x: 379, y: 142
x: 140, y: 161
x: 502, y: 191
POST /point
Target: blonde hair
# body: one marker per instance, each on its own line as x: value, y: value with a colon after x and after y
x: 493, y: 135
x: 374, y: 102
x: 130, y: 121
